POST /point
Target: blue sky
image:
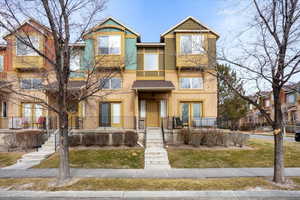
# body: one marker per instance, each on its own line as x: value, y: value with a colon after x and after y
x: 150, y: 18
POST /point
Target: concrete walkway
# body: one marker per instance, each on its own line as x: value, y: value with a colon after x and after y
x: 207, y: 195
x: 156, y: 156
x: 34, y: 158
x: 266, y: 137
x: 153, y: 173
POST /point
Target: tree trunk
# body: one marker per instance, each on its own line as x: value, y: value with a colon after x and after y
x: 64, y: 169
x: 278, y: 139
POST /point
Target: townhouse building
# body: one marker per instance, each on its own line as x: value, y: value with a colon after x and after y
x: 152, y: 84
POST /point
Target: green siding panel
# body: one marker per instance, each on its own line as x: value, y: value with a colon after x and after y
x: 87, y: 59
x: 130, y: 54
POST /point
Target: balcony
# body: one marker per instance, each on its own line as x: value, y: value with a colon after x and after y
x: 150, y: 75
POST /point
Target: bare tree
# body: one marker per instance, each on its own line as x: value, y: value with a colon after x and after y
x: 68, y: 21
x: 273, y: 58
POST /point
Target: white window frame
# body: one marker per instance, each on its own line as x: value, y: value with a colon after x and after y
x: 163, y: 108
x: 195, y: 49
x: 153, y: 67
x: 109, y: 45
x: 37, y: 46
x: 191, y: 83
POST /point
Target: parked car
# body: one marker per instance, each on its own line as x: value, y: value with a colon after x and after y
x: 297, y: 132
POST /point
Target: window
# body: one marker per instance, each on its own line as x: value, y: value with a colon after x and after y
x: 163, y: 108
x: 4, y: 109
x: 191, y: 112
x: 111, y: 83
x: 31, y: 83
x: 191, y: 44
x: 143, y: 109
x: 109, y: 44
x: 75, y: 62
x: 291, y: 98
x: 31, y: 112
x: 110, y: 114
x: 267, y: 103
x: 191, y: 83
x: 150, y: 62
x: 1, y: 63
x: 24, y: 50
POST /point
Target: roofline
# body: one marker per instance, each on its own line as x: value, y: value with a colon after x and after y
x: 122, y: 24
x: 27, y: 21
x: 190, y: 17
x: 150, y: 44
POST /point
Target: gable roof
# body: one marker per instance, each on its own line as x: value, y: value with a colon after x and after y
x: 32, y: 22
x: 116, y: 21
x: 186, y: 19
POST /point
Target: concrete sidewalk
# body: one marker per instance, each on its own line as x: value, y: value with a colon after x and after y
x: 142, y: 173
x: 208, y: 195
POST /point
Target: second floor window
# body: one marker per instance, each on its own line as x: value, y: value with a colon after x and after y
x: 31, y: 83
x: 191, y: 83
x: 150, y: 62
x: 291, y: 98
x: 75, y: 62
x: 111, y: 83
x: 191, y: 44
x: 267, y: 103
x: 109, y: 45
x: 1, y: 63
x: 24, y: 50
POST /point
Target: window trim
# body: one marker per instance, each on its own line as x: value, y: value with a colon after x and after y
x: 31, y: 54
x: 110, y: 114
x: 98, y: 45
x: 202, y: 39
x: 191, y: 83
x: 157, y: 59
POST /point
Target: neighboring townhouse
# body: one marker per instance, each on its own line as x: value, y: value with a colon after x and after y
x: 290, y: 100
x: 291, y: 107
x: 153, y: 84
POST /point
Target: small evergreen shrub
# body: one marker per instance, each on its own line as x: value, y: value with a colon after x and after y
x: 102, y: 139
x: 117, y: 138
x: 88, y: 139
x: 131, y: 138
x: 74, y: 140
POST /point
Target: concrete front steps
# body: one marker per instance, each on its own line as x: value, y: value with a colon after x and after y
x: 34, y: 158
x: 156, y: 157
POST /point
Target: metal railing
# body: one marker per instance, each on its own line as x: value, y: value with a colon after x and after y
x: 154, y: 73
x: 17, y: 122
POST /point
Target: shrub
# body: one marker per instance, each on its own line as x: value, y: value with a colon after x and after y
x: 242, y: 139
x: 24, y: 140
x: 117, y: 138
x: 75, y: 140
x: 185, y: 133
x: 196, y: 139
x: 88, y: 139
x: 131, y: 138
x: 102, y: 139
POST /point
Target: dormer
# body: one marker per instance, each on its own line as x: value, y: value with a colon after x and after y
x: 190, y: 44
x: 111, y: 44
x: 23, y: 57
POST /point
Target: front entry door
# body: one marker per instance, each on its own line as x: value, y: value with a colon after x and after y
x: 152, y: 114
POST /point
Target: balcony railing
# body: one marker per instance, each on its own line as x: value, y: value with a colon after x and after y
x: 145, y: 74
